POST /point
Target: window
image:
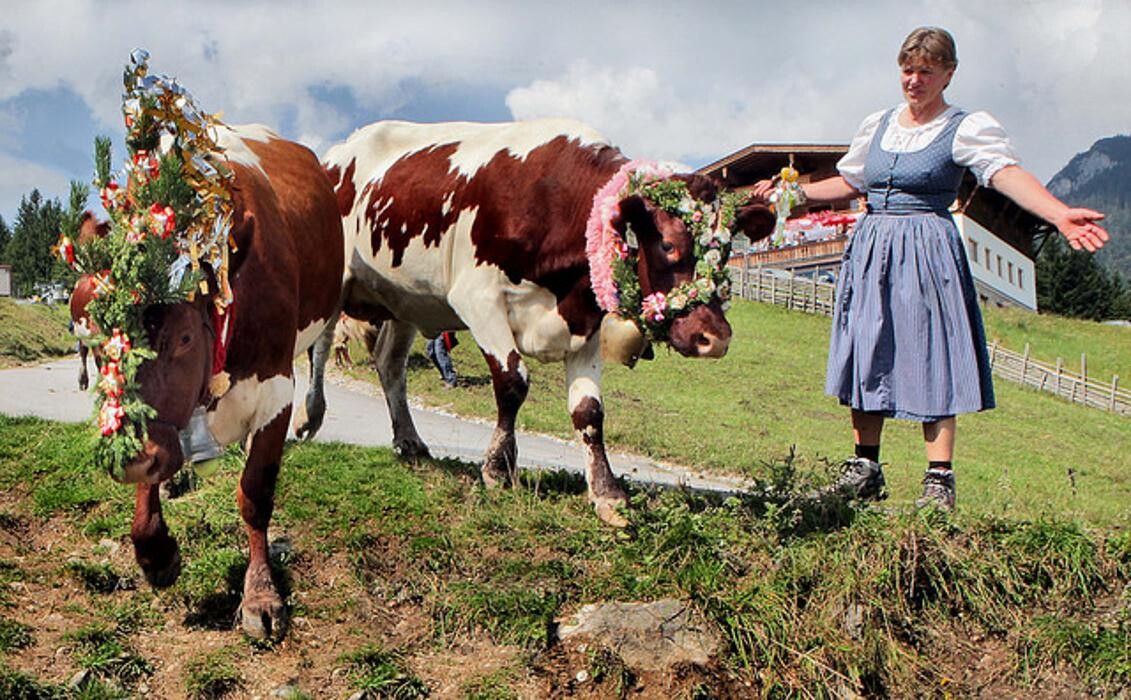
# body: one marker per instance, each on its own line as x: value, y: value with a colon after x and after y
x: 1020, y: 279
x: 987, y: 258
x: 1010, y: 273
x: 973, y: 244
x: 999, y: 266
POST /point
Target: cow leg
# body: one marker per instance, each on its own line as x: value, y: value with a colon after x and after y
x: 509, y: 378
x: 84, y: 378
x: 583, y: 379
x: 155, y: 550
x: 310, y: 413
x: 262, y: 613
x: 390, y: 357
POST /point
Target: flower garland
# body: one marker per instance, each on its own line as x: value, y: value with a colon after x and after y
x: 612, y: 259
x: 786, y: 197
x: 172, y: 216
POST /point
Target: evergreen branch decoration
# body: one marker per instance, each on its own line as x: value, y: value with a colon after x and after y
x: 172, y: 217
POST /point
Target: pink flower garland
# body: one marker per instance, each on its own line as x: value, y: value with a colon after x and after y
x: 602, y: 241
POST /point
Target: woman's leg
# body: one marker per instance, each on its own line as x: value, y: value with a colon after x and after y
x: 938, y: 482
x: 939, y: 438
x: 861, y: 477
x: 866, y: 430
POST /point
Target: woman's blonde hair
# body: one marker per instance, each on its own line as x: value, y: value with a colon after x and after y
x: 933, y: 44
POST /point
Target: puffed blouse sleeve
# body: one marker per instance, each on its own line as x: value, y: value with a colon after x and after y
x: 982, y: 145
x: 851, y: 166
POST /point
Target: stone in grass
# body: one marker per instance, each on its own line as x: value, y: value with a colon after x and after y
x: 650, y: 636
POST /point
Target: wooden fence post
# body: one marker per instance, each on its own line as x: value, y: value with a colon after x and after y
x: 1025, y: 363
x: 1059, y: 372
x: 1114, y: 384
x: 993, y: 355
x: 1084, y: 378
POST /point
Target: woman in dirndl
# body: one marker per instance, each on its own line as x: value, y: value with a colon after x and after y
x: 907, y: 337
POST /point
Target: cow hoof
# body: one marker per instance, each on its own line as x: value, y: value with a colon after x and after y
x: 306, y: 424
x: 411, y: 450
x: 262, y: 613
x: 167, y: 575
x: 609, y: 510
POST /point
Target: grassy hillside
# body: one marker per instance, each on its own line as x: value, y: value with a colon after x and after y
x: 30, y: 332
x: 1033, y: 455
x: 404, y: 580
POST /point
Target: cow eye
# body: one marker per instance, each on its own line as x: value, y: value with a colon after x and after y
x: 666, y: 246
x: 186, y: 339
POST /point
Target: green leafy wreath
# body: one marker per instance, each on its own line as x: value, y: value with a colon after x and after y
x: 172, y: 216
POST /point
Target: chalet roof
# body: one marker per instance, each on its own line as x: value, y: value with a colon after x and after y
x: 993, y: 211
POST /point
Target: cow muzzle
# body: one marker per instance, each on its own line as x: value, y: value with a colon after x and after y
x: 159, y: 459
x: 702, y: 333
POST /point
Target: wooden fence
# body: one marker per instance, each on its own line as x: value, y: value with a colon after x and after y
x: 1076, y: 387
x: 777, y: 287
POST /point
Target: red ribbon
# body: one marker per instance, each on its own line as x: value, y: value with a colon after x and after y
x: 222, y: 325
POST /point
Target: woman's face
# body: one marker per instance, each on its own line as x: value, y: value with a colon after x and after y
x: 923, y: 82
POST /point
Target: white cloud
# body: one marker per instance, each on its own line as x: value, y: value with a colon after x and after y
x: 663, y: 79
x: 19, y: 177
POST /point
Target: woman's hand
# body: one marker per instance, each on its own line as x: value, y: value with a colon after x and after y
x: 762, y: 190
x: 1079, y: 227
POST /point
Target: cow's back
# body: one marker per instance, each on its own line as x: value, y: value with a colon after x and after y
x: 423, y: 204
x: 290, y: 256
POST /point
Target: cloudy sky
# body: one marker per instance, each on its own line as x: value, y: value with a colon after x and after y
x: 687, y: 81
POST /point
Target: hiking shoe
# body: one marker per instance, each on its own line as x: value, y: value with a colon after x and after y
x: 938, y: 489
x: 860, y: 479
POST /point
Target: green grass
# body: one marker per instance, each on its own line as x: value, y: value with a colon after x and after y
x: 30, y: 332
x: 382, y: 673
x: 805, y: 596
x: 212, y: 674
x: 1033, y: 455
x: 1108, y: 347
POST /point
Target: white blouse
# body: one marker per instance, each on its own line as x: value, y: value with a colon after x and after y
x: 980, y: 144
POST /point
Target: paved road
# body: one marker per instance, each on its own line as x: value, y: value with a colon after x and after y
x: 357, y: 414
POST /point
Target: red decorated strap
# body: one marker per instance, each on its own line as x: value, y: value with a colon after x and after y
x: 222, y: 324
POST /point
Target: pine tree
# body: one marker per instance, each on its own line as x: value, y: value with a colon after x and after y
x: 29, y: 250
x: 5, y: 238
x: 1072, y: 283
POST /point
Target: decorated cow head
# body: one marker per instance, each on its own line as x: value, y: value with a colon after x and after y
x: 157, y: 272
x: 658, y: 247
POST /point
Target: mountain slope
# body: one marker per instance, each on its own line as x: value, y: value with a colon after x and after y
x: 1100, y: 178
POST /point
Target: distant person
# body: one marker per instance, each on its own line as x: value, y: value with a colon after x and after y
x: 907, y: 337
x: 438, y: 350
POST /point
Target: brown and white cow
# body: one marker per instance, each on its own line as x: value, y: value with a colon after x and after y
x: 81, y: 325
x: 286, y: 276
x: 482, y: 227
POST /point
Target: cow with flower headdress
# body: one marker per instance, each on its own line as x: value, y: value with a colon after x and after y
x: 221, y: 261
x: 543, y: 240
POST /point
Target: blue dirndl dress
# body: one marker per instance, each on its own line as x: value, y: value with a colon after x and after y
x: 907, y: 337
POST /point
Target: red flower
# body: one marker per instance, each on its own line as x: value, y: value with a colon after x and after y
x: 117, y: 345
x: 111, y: 196
x: 65, y: 249
x: 110, y: 417
x: 164, y: 220
x: 112, y: 380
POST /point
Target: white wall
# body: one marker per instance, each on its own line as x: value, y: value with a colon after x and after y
x: 5, y: 281
x: 1000, y: 271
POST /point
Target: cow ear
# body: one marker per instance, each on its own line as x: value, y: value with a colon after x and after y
x: 633, y: 212
x: 91, y: 228
x: 755, y: 220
